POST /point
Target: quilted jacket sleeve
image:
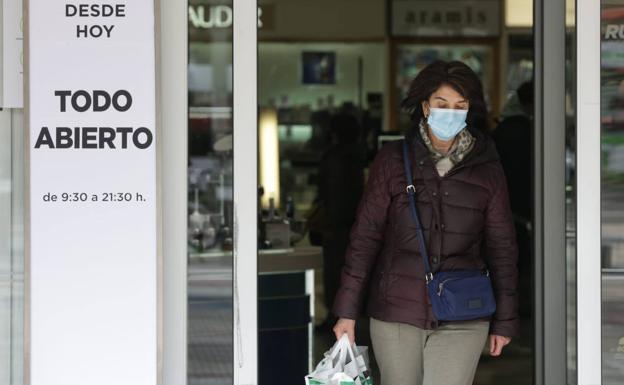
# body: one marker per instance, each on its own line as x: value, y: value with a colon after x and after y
x: 502, y: 256
x: 366, y: 238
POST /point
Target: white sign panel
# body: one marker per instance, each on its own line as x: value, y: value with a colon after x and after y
x: 446, y: 18
x: 93, y: 225
x: 12, y: 55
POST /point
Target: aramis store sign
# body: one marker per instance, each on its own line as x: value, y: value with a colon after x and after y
x: 93, y: 203
x: 446, y: 18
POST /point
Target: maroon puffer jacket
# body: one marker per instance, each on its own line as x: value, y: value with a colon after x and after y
x: 467, y: 224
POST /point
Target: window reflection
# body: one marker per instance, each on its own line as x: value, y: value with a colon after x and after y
x: 570, y: 194
x: 11, y: 250
x: 612, y: 142
x: 210, y: 350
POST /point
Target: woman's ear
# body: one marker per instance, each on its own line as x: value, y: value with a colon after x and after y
x: 425, y: 108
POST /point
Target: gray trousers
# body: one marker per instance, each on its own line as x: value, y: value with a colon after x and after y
x: 408, y: 355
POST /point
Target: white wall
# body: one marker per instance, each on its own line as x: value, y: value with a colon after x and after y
x: 519, y: 13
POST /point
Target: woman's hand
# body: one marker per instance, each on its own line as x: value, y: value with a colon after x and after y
x: 497, y: 343
x: 345, y: 325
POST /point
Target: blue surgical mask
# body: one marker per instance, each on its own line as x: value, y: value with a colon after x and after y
x: 445, y: 123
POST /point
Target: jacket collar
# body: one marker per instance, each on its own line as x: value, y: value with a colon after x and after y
x: 484, y: 149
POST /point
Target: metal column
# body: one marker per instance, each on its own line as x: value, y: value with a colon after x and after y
x: 550, y: 251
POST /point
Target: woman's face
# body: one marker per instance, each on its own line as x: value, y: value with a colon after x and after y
x: 445, y: 97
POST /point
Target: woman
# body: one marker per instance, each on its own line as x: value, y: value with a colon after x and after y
x: 464, y: 208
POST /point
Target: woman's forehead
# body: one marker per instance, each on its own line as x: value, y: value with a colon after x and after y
x: 447, y: 93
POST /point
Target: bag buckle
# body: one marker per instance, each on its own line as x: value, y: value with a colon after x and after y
x: 429, y: 277
x: 410, y: 187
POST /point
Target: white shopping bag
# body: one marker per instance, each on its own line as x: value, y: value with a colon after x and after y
x: 343, y: 364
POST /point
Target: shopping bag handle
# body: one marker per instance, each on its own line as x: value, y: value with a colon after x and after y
x: 349, y: 350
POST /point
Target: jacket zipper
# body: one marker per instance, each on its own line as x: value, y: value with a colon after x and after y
x: 451, y: 171
x: 382, y: 284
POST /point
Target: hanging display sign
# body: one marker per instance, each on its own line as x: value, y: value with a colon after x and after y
x: 212, y: 20
x: 221, y: 16
x: 437, y: 18
x: 93, y: 228
x: 12, y: 55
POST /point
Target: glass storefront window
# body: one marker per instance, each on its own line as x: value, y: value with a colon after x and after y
x: 11, y: 250
x: 210, y: 180
x: 612, y: 155
x: 570, y: 197
x: 307, y: 91
x: 304, y: 102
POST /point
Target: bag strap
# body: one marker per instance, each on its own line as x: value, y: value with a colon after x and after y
x: 411, y: 190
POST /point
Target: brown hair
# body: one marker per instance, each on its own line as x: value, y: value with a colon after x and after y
x: 458, y: 76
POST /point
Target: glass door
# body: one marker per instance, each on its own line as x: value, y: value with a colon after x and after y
x: 11, y: 250
x: 245, y: 197
x: 210, y: 200
x: 597, y: 188
x: 612, y: 188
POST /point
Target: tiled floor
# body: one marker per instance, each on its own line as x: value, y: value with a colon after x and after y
x: 210, y: 349
x: 210, y: 335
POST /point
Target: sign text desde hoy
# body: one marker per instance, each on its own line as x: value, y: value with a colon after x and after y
x: 95, y: 11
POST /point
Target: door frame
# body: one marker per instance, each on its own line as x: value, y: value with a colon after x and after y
x: 550, y: 352
x: 588, y: 200
x: 557, y: 299
x: 245, y: 253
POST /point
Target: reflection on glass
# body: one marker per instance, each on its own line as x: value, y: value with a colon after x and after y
x: 210, y: 350
x: 612, y: 130
x: 570, y: 182
x: 11, y: 252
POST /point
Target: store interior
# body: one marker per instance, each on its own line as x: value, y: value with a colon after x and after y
x: 325, y: 66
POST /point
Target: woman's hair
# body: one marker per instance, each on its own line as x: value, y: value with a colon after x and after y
x: 456, y: 75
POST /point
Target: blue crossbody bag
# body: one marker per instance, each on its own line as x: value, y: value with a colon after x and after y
x: 457, y: 295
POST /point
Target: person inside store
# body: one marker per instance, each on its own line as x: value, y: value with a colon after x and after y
x: 432, y: 254
x: 514, y: 141
x: 513, y: 138
x: 341, y: 182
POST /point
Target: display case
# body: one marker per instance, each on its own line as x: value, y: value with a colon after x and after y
x: 210, y: 179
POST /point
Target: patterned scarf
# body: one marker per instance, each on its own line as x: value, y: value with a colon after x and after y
x: 445, y: 162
